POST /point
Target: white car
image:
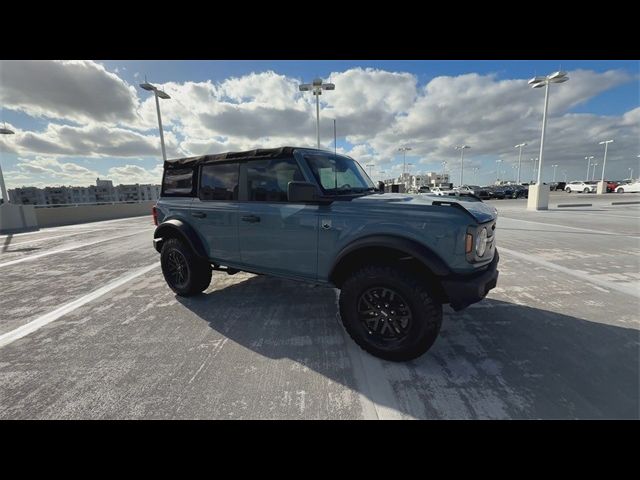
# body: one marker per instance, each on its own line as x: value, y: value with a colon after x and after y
x: 629, y: 187
x: 580, y: 187
x: 441, y: 191
x: 467, y: 189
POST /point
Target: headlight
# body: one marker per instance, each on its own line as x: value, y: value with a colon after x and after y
x: 481, y: 242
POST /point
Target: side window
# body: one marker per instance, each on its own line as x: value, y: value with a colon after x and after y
x: 268, y: 180
x: 219, y: 181
x: 178, y: 182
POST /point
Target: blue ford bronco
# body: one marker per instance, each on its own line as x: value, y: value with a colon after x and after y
x: 311, y: 215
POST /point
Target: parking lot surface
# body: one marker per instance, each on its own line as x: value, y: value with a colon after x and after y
x: 89, y: 329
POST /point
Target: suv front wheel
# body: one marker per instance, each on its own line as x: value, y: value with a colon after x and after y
x: 390, y: 312
x: 183, y: 271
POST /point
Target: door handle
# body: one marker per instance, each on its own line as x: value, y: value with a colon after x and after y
x: 198, y: 214
x: 250, y: 218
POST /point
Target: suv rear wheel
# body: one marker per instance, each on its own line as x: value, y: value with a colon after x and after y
x: 390, y: 313
x: 183, y: 271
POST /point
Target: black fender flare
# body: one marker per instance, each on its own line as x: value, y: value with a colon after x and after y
x: 182, y: 230
x: 417, y: 250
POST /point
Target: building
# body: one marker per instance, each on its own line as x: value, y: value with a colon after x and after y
x: 414, y: 182
x: 102, y: 192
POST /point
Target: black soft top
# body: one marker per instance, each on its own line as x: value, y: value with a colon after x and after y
x: 260, y: 153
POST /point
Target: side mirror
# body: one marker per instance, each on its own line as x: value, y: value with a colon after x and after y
x: 304, y: 192
x: 381, y: 186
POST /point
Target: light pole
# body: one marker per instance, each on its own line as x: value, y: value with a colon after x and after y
x: 537, y: 201
x: 554, y: 172
x: 533, y: 166
x: 630, y: 173
x: 604, y: 161
x: 498, y: 171
x: 475, y: 174
x: 5, y: 197
x: 593, y: 175
x: 158, y: 93
x: 462, y: 148
x: 317, y: 87
x: 404, y: 151
x: 588, y: 159
x: 564, y: 172
x: 370, y: 165
x: 520, y: 145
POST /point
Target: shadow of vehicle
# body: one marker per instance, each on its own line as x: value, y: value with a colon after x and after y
x: 494, y: 360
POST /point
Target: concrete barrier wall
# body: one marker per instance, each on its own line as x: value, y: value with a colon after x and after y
x: 57, y: 216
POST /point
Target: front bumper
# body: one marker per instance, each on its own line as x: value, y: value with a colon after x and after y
x: 464, y: 290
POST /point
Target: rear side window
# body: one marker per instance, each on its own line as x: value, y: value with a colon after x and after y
x: 178, y: 182
x: 268, y: 180
x: 219, y: 182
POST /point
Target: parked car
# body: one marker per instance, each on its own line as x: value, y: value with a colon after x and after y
x: 612, y: 185
x: 424, y: 189
x: 553, y: 186
x: 520, y: 191
x: 440, y: 191
x: 496, y: 192
x: 314, y: 216
x: 629, y: 187
x: 580, y: 187
x: 483, y: 193
x: 467, y: 189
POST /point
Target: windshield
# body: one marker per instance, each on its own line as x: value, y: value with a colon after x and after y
x: 339, y: 175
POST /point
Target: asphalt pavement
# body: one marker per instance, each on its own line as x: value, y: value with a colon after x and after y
x: 89, y: 329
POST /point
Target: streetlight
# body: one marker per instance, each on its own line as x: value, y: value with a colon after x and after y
x: 538, y: 203
x: 370, y: 165
x: 316, y: 87
x: 475, y: 174
x: 404, y: 151
x: 498, y: 171
x: 593, y: 175
x: 604, y: 162
x: 554, y: 172
x: 462, y: 148
x: 5, y: 197
x: 533, y: 166
x: 588, y: 159
x: 520, y: 145
x: 158, y: 93
x: 630, y: 173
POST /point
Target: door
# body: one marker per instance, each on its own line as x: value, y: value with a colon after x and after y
x: 214, y: 212
x: 276, y: 236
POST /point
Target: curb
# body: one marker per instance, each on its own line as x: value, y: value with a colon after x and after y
x: 576, y: 205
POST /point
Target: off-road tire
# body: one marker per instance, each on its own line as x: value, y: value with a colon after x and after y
x: 197, y: 271
x: 426, y: 312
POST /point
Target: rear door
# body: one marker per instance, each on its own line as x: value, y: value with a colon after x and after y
x: 276, y: 236
x: 214, y: 211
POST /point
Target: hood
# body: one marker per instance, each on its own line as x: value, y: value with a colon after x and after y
x: 481, y: 211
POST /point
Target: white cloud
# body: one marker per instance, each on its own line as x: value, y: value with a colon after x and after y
x: 80, y: 91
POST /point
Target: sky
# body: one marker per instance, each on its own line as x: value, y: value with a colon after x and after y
x: 75, y: 121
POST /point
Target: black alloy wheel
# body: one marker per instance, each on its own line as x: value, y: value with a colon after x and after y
x: 384, y: 313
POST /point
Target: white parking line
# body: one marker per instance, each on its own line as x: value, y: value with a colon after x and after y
x: 567, y: 226
x: 50, y: 238
x: 39, y: 322
x: 629, y: 290
x: 66, y: 249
